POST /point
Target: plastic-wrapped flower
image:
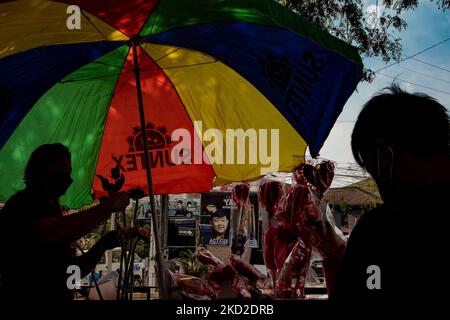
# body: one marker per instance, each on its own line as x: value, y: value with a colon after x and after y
x: 130, y: 233
x: 144, y: 233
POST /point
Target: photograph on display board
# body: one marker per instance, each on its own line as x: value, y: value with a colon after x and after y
x: 184, y: 207
x: 181, y: 232
x: 144, y: 210
x: 182, y: 224
x: 215, y: 218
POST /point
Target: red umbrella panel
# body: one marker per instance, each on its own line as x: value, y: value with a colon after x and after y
x: 122, y: 145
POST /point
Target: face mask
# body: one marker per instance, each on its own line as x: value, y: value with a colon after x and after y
x: 59, y: 182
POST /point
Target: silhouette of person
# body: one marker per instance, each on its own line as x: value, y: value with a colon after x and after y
x: 402, y: 140
x: 32, y: 225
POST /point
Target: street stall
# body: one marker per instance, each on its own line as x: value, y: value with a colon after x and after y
x: 160, y: 97
x: 289, y: 246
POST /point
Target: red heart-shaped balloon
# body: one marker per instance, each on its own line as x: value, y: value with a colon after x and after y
x: 269, y: 195
x: 318, y: 177
x: 326, y: 175
x: 240, y: 194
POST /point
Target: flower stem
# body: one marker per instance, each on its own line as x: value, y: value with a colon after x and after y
x: 126, y: 275
x: 122, y: 257
x: 124, y: 217
x: 136, y: 206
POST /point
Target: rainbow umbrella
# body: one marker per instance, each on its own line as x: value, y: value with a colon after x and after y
x: 214, y: 64
x: 124, y: 83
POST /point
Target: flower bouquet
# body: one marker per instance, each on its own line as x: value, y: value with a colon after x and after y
x: 129, y: 235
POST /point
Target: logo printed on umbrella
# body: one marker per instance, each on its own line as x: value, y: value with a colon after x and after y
x: 156, y: 139
x: 295, y: 84
x: 159, y: 145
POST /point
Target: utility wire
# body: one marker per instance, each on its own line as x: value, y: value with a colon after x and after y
x: 416, y: 54
x: 418, y: 85
x: 430, y: 64
x: 422, y: 73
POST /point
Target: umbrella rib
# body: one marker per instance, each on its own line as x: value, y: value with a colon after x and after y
x: 91, y: 78
x: 110, y: 65
x: 116, y: 92
x: 166, y: 55
x: 153, y: 15
x: 98, y: 30
x: 177, y: 67
x: 182, y: 66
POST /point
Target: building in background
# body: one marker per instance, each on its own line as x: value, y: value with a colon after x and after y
x: 350, y: 202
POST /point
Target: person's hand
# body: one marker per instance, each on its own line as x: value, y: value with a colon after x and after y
x: 116, y: 202
x: 327, y: 242
x: 110, y: 240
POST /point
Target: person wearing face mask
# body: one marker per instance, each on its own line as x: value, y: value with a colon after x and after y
x: 402, y: 141
x: 34, y: 229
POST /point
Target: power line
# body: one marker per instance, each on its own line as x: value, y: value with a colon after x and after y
x: 412, y: 56
x: 422, y: 73
x: 350, y: 176
x: 360, y: 171
x: 430, y: 64
x: 415, y: 84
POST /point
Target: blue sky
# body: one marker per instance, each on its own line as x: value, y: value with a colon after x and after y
x: 426, y: 26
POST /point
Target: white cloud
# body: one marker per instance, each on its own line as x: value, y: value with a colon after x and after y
x: 337, y: 147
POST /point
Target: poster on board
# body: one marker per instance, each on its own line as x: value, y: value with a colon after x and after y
x: 214, y: 227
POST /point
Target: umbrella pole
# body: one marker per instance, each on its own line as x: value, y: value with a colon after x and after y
x: 163, y: 293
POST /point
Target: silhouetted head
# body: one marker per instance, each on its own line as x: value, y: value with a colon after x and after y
x: 402, y: 140
x: 48, y: 169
